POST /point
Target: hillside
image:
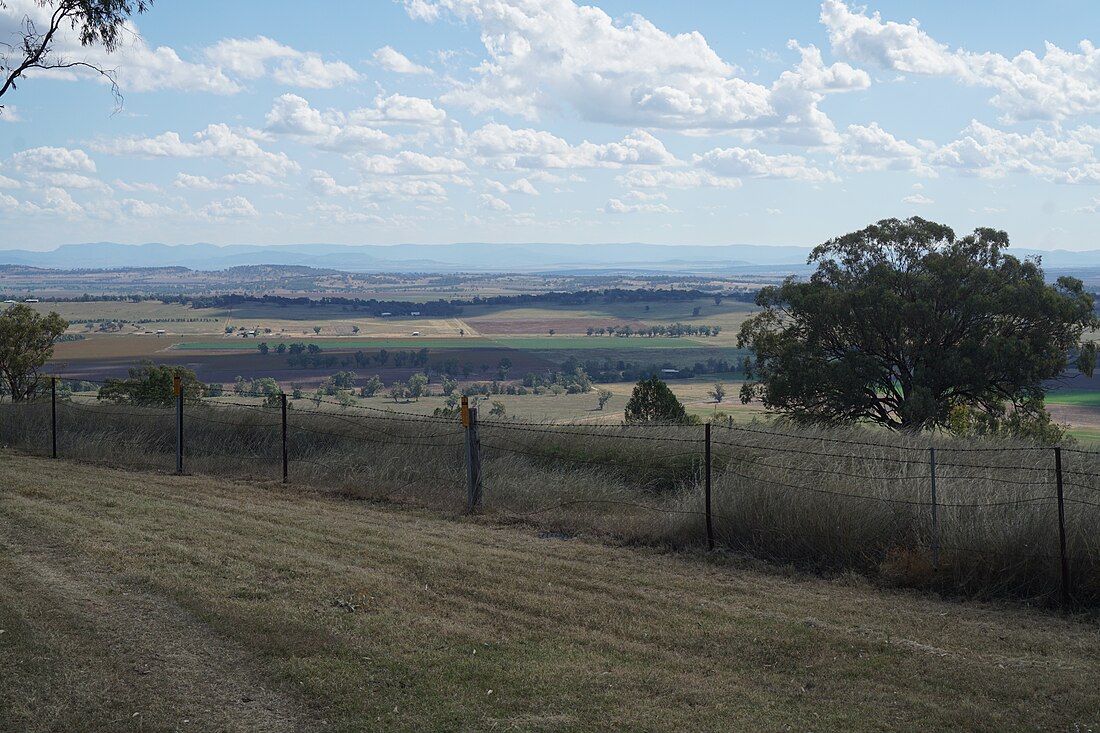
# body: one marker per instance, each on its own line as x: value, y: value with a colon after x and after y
x: 156, y: 602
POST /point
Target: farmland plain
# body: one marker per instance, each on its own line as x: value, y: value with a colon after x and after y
x: 220, y: 344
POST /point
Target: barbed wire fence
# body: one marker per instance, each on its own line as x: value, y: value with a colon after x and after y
x: 979, y: 520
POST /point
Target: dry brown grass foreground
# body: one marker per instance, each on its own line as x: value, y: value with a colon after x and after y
x: 152, y: 602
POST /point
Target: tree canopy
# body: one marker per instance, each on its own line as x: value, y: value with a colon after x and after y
x: 653, y: 401
x: 903, y: 322
x: 153, y: 384
x: 26, y: 344
x: 96, y: 22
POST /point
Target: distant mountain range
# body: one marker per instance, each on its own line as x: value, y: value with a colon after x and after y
x: 468, y: 257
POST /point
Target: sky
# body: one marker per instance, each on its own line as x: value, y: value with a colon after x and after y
x: 441, y: 121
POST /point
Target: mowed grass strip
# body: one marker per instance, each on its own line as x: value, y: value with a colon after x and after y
x: 139, y: 601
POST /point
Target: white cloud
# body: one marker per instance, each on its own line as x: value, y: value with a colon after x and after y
x: 919, y: 199
x: 392, y: 60
x: 502, y: 147
x: 408, y: 163
x: 733, y: 162
x: 645, y: 178
x: 489, y: 201
x: 1056, y: 85
x: 617, y: 206
x: 991, y: 153
x: 871, y: 148
x: 380, y: 188
x: 236, y: 207
x: 138, y: 209
x: 46, y: 159
x: 249, y: 58
x: 202, y: 183
x: 216, y: 141
x: 547, y: 54
x: 399, y: 109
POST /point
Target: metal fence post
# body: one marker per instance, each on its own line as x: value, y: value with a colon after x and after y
x: 179, y: 424
x: 286, y: 473
x: 1062, y: 527
x: 710, y: 521
x: 935, y: 517
x: 53, y: 416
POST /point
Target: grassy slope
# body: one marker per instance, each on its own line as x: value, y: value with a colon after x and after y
x: 139, y: 602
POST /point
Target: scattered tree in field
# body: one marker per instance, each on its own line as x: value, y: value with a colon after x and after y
x: 718, y: 392
x: 345, y: 398
x: 602, y: 396
x: 317, y: 329
x: 552, y: 331
x: 229, y: 329
x: 902, y: 323
x: 498, y: 409
x: 373, y: 386
x: 280, y: 349
x: 418, y: 386
x: 214, y: 390
x: 296, y: 391
x: 696, y: 311
x: 503, y: 367
x: 448, y: 385
x: 399, y: 391
x: 718, y: 299
x: 153, y: 384
x: 653, y: 401
x: 97, y: 23
x: 263, y: 347
x: 26, y: 344
x: 355, y: 329
x: 344, y: 379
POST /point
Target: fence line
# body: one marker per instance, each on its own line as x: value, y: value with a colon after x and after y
x: 881, y: 506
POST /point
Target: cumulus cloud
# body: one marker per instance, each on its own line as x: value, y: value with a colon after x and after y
x: 871, y: 148
x: 489, y: 201
x: 380, y: 188
x: 643, y: 178
x: 49, y: 159
x: 733, y: 162
x: 617, y: 206
x: 1055, y: 85
x: 408, y: 162
x: 546, y: 54
x: 358, y: 129
x: 500, y: 146
x: 215, y: 141
x: 250, y: 59
x: 919, y: 199
x: 987, y: 152
x: 236, y: 207
x: 202, y: 183
x: 392, y: 60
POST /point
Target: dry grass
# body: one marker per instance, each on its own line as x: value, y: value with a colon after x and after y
x: 156, y: 602
x: 831, y: 501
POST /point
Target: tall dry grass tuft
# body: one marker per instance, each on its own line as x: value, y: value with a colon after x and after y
x: 828, y: 499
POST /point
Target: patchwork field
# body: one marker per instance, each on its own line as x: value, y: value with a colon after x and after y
x: 152, y: 602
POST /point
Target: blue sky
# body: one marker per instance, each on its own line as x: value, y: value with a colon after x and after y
x: 550, y: 121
